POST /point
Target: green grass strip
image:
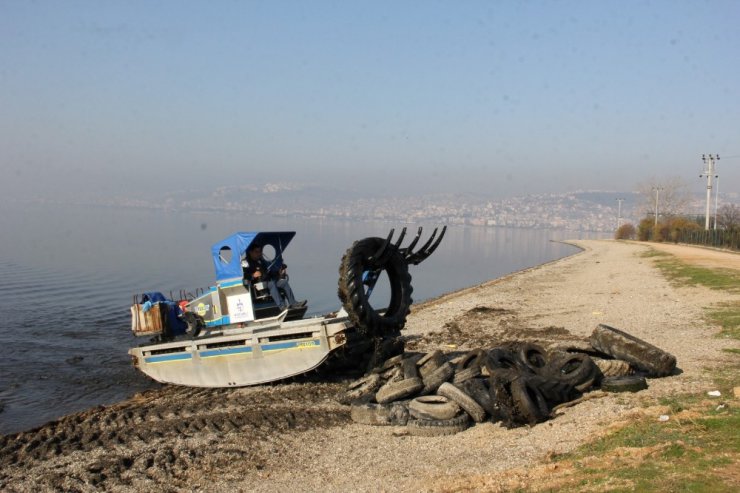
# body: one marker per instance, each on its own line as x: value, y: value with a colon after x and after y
x: 681, y: 273
x: 681, y: 454
x: 727, y: 316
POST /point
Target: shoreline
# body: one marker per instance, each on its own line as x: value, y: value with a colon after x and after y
x: 87, y: 363
x: 416, y: 306
x: 242, y: 438
x: 485, y: 284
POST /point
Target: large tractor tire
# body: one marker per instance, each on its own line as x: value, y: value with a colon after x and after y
x: 352, y: 293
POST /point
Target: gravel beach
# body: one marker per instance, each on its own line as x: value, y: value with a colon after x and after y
x: 296, y: 437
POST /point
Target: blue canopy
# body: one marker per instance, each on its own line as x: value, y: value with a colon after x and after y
x: 227, y: 253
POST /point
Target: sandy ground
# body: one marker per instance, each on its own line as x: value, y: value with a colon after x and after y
x: 296, y: 437
x: 704, y: 257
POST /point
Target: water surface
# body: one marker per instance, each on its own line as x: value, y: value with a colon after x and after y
x: 68, y: 275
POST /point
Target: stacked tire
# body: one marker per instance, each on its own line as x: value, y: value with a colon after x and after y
x: 518, y: 383
x: 435, y: 416
x: 442, y: 396
x: 527, y: 382
x: 642, y: 356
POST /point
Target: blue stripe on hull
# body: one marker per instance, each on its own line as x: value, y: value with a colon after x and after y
x: 165, y: 358
x: 225, y: 352
x: 213, y: 353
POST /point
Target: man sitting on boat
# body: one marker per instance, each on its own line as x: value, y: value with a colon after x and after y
x: 256, y: 269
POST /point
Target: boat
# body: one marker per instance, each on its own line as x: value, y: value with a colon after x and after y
x: 234, y: 334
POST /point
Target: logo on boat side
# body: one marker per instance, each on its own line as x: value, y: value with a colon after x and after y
x: 307, y: 344
x: 202, y: 308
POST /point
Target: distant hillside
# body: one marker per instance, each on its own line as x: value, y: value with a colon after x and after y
x: 609, y: 199
x: 582, y: 210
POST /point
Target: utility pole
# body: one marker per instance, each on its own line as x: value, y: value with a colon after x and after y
x: 716, y: 198
x: 619, y: 212
x: 657, y: 191
x: 709, y: 173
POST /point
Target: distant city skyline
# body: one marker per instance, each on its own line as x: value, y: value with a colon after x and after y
x: 578, y: 210
x: 497, y: 98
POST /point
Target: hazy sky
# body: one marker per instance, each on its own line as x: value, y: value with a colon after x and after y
x: 508, y: 97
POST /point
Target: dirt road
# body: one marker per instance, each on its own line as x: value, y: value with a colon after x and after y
x: 703, y: 257
x: 296, y: 437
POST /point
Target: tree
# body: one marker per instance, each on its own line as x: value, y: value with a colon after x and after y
x: 679, y: 226
x: 645, y: 229
x: 626, y: 231
x: 728, y: 217
x: 673, y: 196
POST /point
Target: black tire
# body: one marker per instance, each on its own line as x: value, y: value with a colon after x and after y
x: 474, y: 358
x: 500, y: 388
x: 641, y: 354
x: 477, y: 389
x: 533, y: 357
x: 631, y: 383
x: 395, y: 374
x: 433, y: 407
x: 530, y: 404
x: 504, y: 375
x: 575, y: 369
x: 437, y: 427
x: 391, y: 362
x: 352, y: 290
x: 504, y: 358
x: 394, y: 391
x: 553, y: 390
x: 437, y: 378
x: 385, y: 349
x: 426, y: 357
x: 464, y: 400
x: 395, y: 414
x: 588, y: 384
x: 470, y: 365
x: 360, y: 389
x: 430, y: 363
x: 193, y: 323
x: 413, y: 355
x: 408, y: 366
x: 466, y: 374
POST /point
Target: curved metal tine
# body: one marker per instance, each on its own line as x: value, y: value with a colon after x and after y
x: 383, y: 258
x: 436, y: 243
x: 424, y: 253
x: 382, y: 248
x: 410, y: 256
x: 413, y: 243
x: 400, y: 238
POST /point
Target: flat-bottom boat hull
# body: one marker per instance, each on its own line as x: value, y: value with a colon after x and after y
x: 242, y: 358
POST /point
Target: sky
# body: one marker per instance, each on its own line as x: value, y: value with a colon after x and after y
x: 502, y: 98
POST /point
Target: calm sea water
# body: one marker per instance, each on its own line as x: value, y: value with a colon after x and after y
x: 68, y: 274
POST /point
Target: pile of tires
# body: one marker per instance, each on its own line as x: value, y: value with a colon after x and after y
x: 436, y: 394
x: 516, y: 383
